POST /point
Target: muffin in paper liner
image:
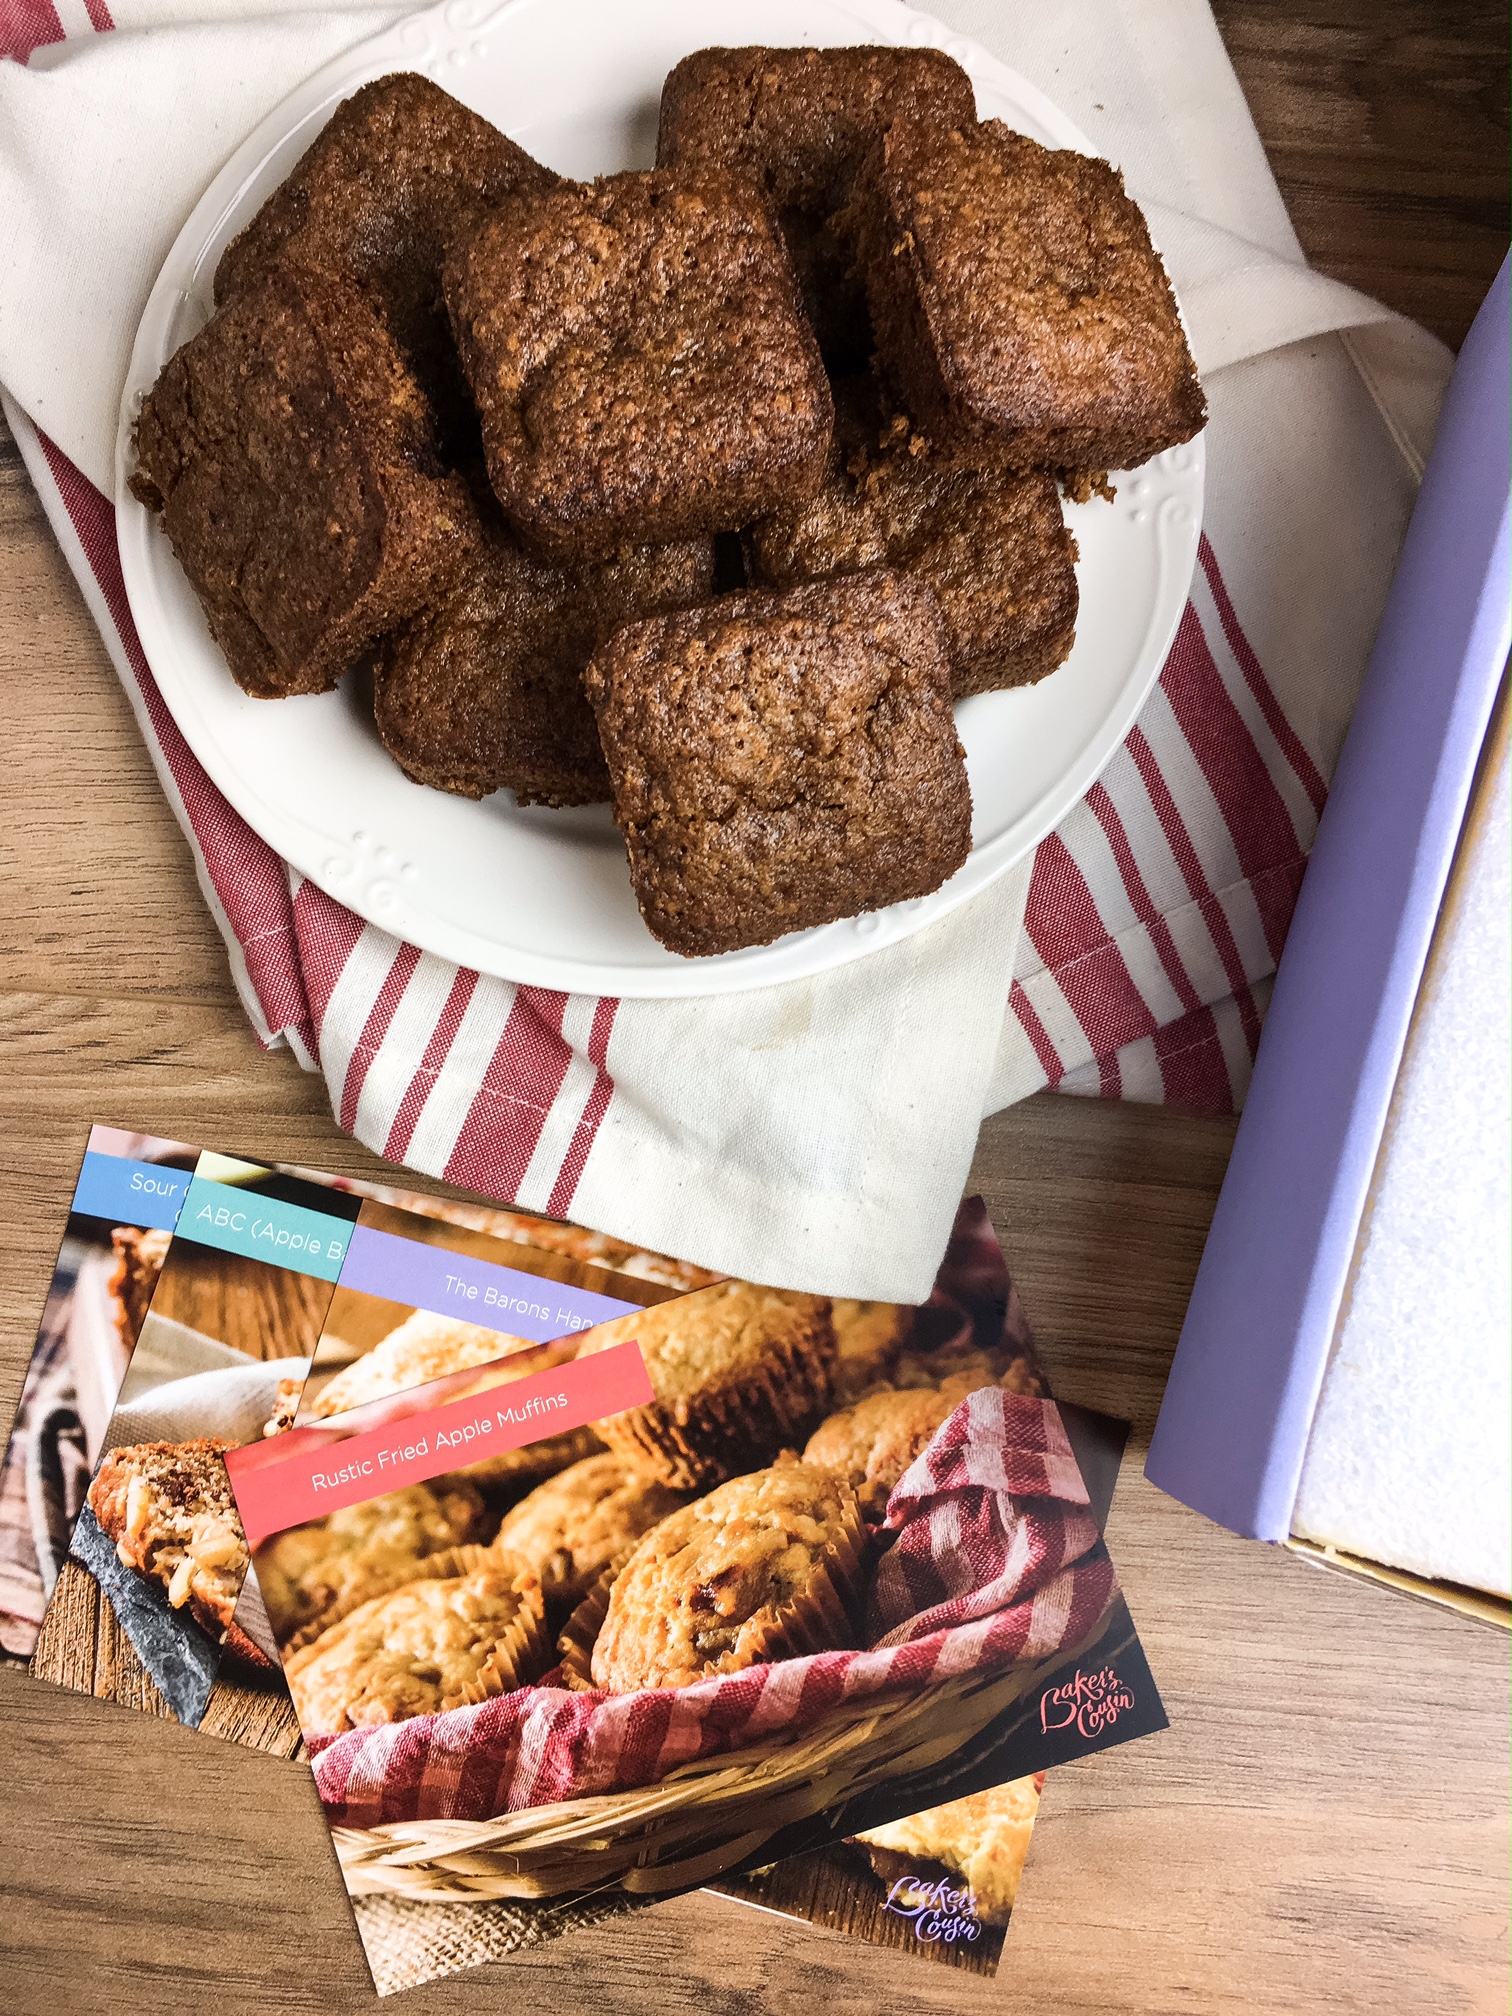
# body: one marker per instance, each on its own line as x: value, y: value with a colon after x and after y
x: 423, y: 1347
x: 870, y: 1336
x: 515, y: 1662
x: 872, y: 1443
x: 737, y: 1373
x: 445, y: 1566
x: 437, y: 1642
x: 768, y: 1566
x: 314, y: 1573
x: 520, y: 1469
x: 580, y: 1522
x: 579, y: 1635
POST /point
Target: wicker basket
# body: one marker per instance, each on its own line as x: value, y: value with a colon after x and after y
x: 702, y: 1818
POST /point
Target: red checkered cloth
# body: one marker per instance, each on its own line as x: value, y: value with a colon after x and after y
x: 996, y: 1561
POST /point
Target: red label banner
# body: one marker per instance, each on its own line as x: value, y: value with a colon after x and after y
x: 309, y: 1472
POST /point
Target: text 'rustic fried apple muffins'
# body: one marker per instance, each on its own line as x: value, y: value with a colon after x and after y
x: 871, y: 1444
x: 640, y: 363
x: 583, y: 1521
x: 168, y: 1508
x: 290, y: 453
x: 982, y: 1839
x: 483, y: 690
x: 434, y: 1644
x: 798, y: 122
x: 766, y: 1567
x: 399, y: 171
x: 737, y: 1373
x: 425, y: 1346
x: 990, y: 545
x: 309, y: 1573
x: 781, y: 760
x: 1021, y: 312
x: 869, y: 1336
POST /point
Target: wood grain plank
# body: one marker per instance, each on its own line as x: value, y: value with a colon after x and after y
x: 262, y: 1717
x: 98, y: 879
x: 265, y: 1311
x: 1385, y: 122
x: 67, y: 1652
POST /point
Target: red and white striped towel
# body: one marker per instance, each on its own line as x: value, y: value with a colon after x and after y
x: 997, y: 1496
x: 816, y: 1135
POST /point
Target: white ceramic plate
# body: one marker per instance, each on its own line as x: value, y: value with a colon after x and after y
x: 544, y: 896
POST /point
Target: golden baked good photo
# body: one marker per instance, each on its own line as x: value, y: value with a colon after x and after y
x: 432, y: 1644
x: 584, y: 1520
x: 309, y: 1573
x: 767, y: 1566
x: 871, y: 1444
x: 425, y: 1346
x: 168, y: 1509
x: 737, y: 1373
x: 981, y: 1840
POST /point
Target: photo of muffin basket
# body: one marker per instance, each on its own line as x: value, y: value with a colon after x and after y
x: 667, y: 497
x: 835, y: 1556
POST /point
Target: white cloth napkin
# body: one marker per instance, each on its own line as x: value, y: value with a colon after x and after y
x: 182, y: 1385
x: 818, y: 1134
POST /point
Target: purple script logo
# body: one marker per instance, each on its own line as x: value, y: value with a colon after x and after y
x: 1091, y: 1702
x: 937, y: 1911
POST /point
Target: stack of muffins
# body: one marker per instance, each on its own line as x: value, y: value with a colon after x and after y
x: 704, y: 490
x: 694, y: 1541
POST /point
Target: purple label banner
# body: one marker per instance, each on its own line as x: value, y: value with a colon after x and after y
x: 476, y: 1291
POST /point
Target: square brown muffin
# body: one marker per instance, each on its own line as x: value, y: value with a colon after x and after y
x: 400, y: 169
x: 798, y: 122
x: 1021, y: 312
x: 990, y: 545
x: 290, y: 454
x: 640, y: 362
x: 783, y: 760
x: 484, y: 690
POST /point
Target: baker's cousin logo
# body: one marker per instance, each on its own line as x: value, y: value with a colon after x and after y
x: 1087, y: 1702
x: 939, y: 1913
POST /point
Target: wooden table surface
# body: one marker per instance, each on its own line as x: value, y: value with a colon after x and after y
x: 1323, y: 1827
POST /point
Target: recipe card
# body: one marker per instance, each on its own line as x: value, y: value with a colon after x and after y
x: 142, y: 1609
x: 535, y: 1683
x: 188, y: 1306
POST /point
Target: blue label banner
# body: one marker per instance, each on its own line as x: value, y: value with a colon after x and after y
x: 130, y: 1193
x: 476, y: 1291
x: 237, y: 1220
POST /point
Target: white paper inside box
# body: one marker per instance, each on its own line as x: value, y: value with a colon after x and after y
x: 1406, y: 1477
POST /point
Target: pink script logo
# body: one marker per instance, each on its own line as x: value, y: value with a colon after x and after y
x: 938, y: 1911
x: 1091, y: 1702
